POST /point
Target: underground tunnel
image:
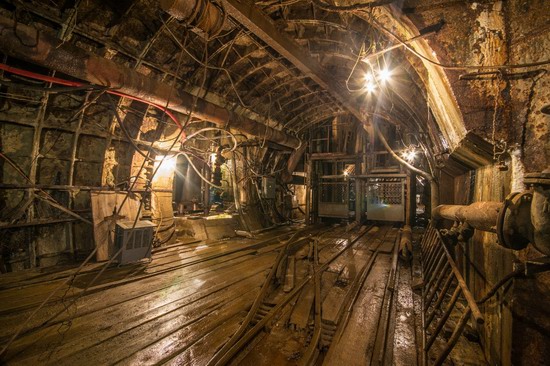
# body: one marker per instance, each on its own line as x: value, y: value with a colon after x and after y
x: 274, y: 182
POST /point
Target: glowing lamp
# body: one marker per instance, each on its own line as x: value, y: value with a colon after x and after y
x: 384, y: 75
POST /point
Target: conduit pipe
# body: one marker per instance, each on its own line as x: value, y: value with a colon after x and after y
x: 479, y: 215
x: 202, y: 14
x: 27, y: 43
x: 521, y: 219
x: 292, y: 163
x: 434, y: 186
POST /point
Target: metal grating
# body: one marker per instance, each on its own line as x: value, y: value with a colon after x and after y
x: 386, y: 193
x: 447, y: 304
x: 334, y: 192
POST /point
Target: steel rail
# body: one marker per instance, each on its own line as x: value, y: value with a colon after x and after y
x: 225, y: 354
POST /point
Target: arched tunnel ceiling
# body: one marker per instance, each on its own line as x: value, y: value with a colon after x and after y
x: 285, y: 63
x: 243, y: 73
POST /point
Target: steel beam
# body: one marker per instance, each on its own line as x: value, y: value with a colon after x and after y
x: 252, y: 18
x: 27, y: 43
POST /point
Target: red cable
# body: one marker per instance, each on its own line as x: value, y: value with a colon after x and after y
x: 59, y: 81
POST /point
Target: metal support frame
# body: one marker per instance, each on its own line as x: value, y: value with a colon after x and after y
x: 24, y: 42
x: 444, y: 295
x: 250, y: 16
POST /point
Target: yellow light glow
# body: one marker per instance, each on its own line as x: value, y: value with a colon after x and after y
x: 409, y: 155
x: 167, y: 165
x: 371, y: 87
x: 213, y: 158
x: 385, y: 75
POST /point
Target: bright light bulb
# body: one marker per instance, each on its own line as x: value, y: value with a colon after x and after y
x: 371, y: 87
x: 167, y: 165
x: 409, y: 155
x: 385, y: 75
x: 213, y: 157
x: 368, y: 77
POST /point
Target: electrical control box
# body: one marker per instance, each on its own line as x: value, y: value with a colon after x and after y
x: 268, y: 187
x: 136, y: 241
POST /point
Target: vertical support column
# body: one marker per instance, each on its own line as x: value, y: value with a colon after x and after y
x: 411, y: 202
x: 309, y: 172
x: 206, y: 190
x: 358, y: 192
x: 314, y: 193
x: 35, y: 158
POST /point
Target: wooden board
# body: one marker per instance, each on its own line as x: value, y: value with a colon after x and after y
x: 300, y: 314
x: 104, y: 207
x: 290, y: 272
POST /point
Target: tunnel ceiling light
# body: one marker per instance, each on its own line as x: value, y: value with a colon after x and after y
x: 167, y: 164
x: 370, y: 86
x: 409, y: 155
x: 384, y: 75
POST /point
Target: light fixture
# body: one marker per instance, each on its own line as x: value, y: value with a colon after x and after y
x: 213, y: 158
x: 370, y: 86
x: 409, y: 155
x: 167, y: 164
x: 384, y: 75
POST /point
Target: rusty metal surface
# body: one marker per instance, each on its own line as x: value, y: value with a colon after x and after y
x: 247, y: 14
x: 540, y: 209
x: 199, y: 13
x: 479, y: 215
x: 46, y: 50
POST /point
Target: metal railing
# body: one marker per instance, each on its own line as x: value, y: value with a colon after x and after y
x: 445, y: 297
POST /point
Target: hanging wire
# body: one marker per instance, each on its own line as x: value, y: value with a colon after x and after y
x: 90, y: 256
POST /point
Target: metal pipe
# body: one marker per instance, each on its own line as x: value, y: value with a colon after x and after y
x: 540, y: 209
x: 434, y: 186
x: 405, y: 243
x: 27, y: 43
x: 479, y: 215
x: 202, y: 14
x: 292, y: 163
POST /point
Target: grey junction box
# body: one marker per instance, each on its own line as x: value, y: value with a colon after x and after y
x: 137, y: 241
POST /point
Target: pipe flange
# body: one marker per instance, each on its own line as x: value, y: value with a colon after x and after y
x: 514, y: 221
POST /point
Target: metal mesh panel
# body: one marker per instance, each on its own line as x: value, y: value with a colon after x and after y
x: 385, y: 193
x: 334, y: 192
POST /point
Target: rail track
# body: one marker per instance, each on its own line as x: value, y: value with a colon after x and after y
x: 309, y: 296
x: 205, y: 303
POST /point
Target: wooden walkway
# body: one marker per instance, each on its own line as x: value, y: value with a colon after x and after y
x: 184, y: 305
x: 177, y: 309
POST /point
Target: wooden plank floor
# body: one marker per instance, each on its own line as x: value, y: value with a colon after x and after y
x: 185, y: 304
x: 179, y: 308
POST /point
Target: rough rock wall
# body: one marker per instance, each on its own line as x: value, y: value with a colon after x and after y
x: 498, y: 106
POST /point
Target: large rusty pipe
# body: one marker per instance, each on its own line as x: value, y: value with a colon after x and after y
x: 292, y: 163
x: 27, y: 43
x: 479, y: 215
x: 202, y: 14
